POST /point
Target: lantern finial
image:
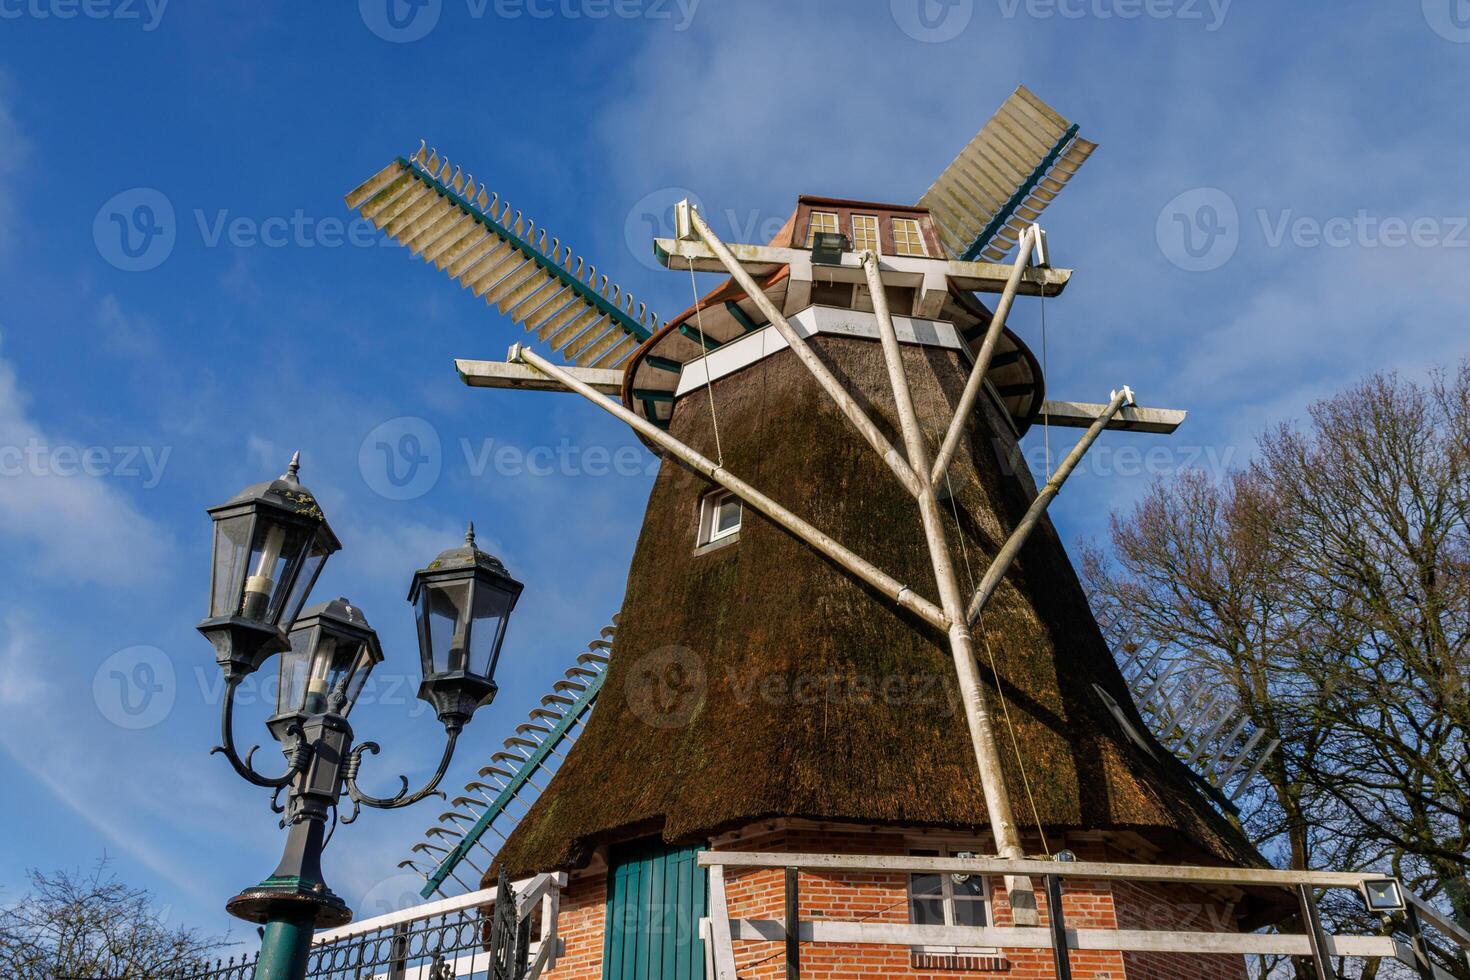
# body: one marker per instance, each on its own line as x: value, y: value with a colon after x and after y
x: 293, y: 468
x: 469, y: 535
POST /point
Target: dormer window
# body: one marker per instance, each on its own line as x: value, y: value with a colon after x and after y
x: 865, y: 233
x: 908, y: 238
x: 720, y: 513
x: 820, y: 221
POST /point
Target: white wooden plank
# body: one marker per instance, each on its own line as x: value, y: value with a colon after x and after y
x: 897, y: 270
x: 719, y: 918
x: 1002, y: 866
x: 1080, y: 415
x: 1123, y: 940
x: 501, y: 374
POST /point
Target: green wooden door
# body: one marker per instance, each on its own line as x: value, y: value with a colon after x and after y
x: 656, y: 896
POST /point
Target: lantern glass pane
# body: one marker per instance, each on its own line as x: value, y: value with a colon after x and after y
x: 492, y: 605
x: 231, y: 539
x: 291, y: 690
x: 304, y: 577
x: 324, y: 672
x: 443, y: 615
x: 275, y: 556
x: 362, y: 666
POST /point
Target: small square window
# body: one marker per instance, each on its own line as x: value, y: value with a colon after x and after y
x: 865, y: 233
x: 720, y: 514
x: 820, y: 221
x: 948, y: 900
x: 908, y: 237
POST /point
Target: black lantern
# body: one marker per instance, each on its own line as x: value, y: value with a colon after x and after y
x: 463, y: 600
x: 333, y: 650
x: 270, y: 543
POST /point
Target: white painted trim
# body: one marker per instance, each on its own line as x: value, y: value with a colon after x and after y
x: 897, y: 270
x: 760, y: 344
x: 1014, y: 937
x: 719, y: 919
x: 1069, y: 869
x: 484, y: 897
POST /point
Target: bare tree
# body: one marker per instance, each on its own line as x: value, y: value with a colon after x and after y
x: 1329, y: 586
x: 73, y: 925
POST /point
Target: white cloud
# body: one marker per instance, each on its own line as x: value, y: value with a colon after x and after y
x: 65, y: 521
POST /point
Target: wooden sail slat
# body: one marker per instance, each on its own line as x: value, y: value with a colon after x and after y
x: 441, y: 214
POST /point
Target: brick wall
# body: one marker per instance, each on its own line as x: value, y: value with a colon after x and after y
x: 760, y: 894
x: 583, y: 908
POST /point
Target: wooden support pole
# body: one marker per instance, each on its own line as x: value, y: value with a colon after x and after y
x: 1316, y: 940
x: 861, y: 568
x: 961, y: 643
x: 1417, y: 946
x: 982, y: 361
x: 793, y: 926
x: 719, y: 919
x: 1019, y: 536
x: 1062, y: 955
x: 808, y: 357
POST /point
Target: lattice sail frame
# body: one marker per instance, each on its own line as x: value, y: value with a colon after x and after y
x: 1001, y: 182
x: 481, y: 820
x: 440, y: 214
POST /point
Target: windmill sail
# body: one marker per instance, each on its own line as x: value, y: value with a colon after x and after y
x: 1002, y: 181
x: 472, y: 831
x: 426, y: 204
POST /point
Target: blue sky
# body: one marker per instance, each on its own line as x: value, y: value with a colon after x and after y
x: 1277, y: 208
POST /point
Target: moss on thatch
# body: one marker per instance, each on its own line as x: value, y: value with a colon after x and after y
x: 758, y: 680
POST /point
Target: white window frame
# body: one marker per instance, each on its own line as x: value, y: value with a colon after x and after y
x: 709, y: 510
x: 812, y: 229
x: 877, y: 232
x: 950, y: 848
x: 898, y: 242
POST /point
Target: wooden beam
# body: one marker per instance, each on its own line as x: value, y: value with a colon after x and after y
x: 872, y: 933
x: 502, y: 374
x: 719, y: 926
x: 1079, y: 415
x: 897, y: 270
x: 1186, y: 874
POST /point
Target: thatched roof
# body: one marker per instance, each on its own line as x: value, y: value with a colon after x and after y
x: 757, y: 680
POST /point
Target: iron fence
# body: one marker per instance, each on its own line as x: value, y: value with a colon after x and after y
x: 474, y: 937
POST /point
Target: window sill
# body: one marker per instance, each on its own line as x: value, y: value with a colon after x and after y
x: 718, y: 544
x: 974, y: 961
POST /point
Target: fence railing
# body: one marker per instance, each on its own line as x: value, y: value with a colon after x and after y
x: 445, y: 940
x: 720, y: 930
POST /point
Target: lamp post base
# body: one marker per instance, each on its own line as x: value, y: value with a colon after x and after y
x: 291, y: 910
x: 281, y: 898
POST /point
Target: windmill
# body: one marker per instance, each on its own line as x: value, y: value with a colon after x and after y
x: 841, y: 496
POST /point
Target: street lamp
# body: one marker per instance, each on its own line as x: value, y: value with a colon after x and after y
x: 270, y: 543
